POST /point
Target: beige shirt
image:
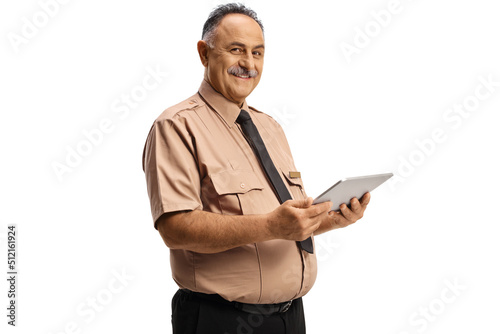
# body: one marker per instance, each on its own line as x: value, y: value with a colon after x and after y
x: 196, y: 158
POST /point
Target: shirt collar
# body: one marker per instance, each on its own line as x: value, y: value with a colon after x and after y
x: 228, y: 110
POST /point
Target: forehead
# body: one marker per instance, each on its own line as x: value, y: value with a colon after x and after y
x: 239, y: 28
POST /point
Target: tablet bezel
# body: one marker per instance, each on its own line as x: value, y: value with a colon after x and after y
x: 351, y: 187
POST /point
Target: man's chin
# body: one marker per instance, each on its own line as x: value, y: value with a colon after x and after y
x: 241, y: 95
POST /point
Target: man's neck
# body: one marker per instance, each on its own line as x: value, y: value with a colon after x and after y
x: 240, y: 105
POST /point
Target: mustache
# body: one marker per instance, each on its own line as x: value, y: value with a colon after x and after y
x: 240, y: 71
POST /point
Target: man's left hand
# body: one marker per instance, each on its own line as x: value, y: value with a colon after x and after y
x: 346, y: 216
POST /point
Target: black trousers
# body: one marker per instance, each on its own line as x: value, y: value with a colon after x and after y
x: 194, y: 315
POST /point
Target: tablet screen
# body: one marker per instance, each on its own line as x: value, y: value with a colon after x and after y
x: 344, y: 190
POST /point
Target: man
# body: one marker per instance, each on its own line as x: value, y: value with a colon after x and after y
x: 217, y: 171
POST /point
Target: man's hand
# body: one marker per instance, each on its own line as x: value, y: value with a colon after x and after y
x: 207, y: 232
x: 296, y: 219
x: 346, y: 216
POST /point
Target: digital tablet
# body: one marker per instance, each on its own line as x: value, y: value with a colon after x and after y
x: 344, y: 190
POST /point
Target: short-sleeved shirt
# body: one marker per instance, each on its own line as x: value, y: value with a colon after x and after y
x: 197, y: 158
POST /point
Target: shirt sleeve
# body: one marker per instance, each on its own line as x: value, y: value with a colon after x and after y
x: 169, y: 163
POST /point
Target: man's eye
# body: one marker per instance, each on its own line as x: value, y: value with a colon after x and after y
x: 236, y: 50
x: 257, y: 53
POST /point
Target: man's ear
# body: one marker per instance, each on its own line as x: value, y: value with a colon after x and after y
x: 203, y: 49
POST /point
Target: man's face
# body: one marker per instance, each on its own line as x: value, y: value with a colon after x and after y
x: 234, y: 65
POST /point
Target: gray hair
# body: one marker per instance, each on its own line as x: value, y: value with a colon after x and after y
x: 216, y: 16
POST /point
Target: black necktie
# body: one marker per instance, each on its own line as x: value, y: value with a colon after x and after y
x: 272, y: 173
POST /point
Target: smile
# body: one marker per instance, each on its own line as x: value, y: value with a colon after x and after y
x: 242, y: 76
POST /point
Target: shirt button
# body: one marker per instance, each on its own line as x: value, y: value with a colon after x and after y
x: 242, y: 186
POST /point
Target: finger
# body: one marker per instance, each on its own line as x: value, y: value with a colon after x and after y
x: 319, y: 209
x: 313, y: 225
x: 346, y: 212
x: 325, y: 206
x: 365, y: 199
x: 338, y: 220
x: 355, y: 205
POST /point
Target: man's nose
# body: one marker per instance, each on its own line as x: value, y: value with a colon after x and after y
x: 247, y: 62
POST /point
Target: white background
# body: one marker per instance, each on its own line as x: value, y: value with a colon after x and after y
x: 437, y: 225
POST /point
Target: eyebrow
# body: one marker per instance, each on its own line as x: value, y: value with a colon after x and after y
x: 260, y: 46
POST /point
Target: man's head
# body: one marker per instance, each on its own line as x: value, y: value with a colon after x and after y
x: 232, y: 51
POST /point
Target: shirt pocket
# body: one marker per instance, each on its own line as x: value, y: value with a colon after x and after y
x: 295, y: 185
x: 238, y: 191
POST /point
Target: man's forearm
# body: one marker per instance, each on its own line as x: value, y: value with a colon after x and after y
x: 207, y: 232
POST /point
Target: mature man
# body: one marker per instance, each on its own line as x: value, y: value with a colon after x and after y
x: 226, y: 197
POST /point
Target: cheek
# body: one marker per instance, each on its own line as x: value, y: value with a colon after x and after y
x: 256, y: 82
x: 219, y: 65
x: 260, y: 67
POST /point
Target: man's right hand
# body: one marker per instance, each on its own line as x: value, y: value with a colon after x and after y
x: 296, y: 219
x: 207, y: 232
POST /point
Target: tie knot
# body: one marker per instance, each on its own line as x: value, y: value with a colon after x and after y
x: 243, y: 117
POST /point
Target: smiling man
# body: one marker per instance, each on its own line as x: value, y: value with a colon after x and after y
x: 234, y: 56
x: 227, y: 199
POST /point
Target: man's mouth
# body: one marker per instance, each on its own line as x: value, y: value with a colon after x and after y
x: 242, y: 76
